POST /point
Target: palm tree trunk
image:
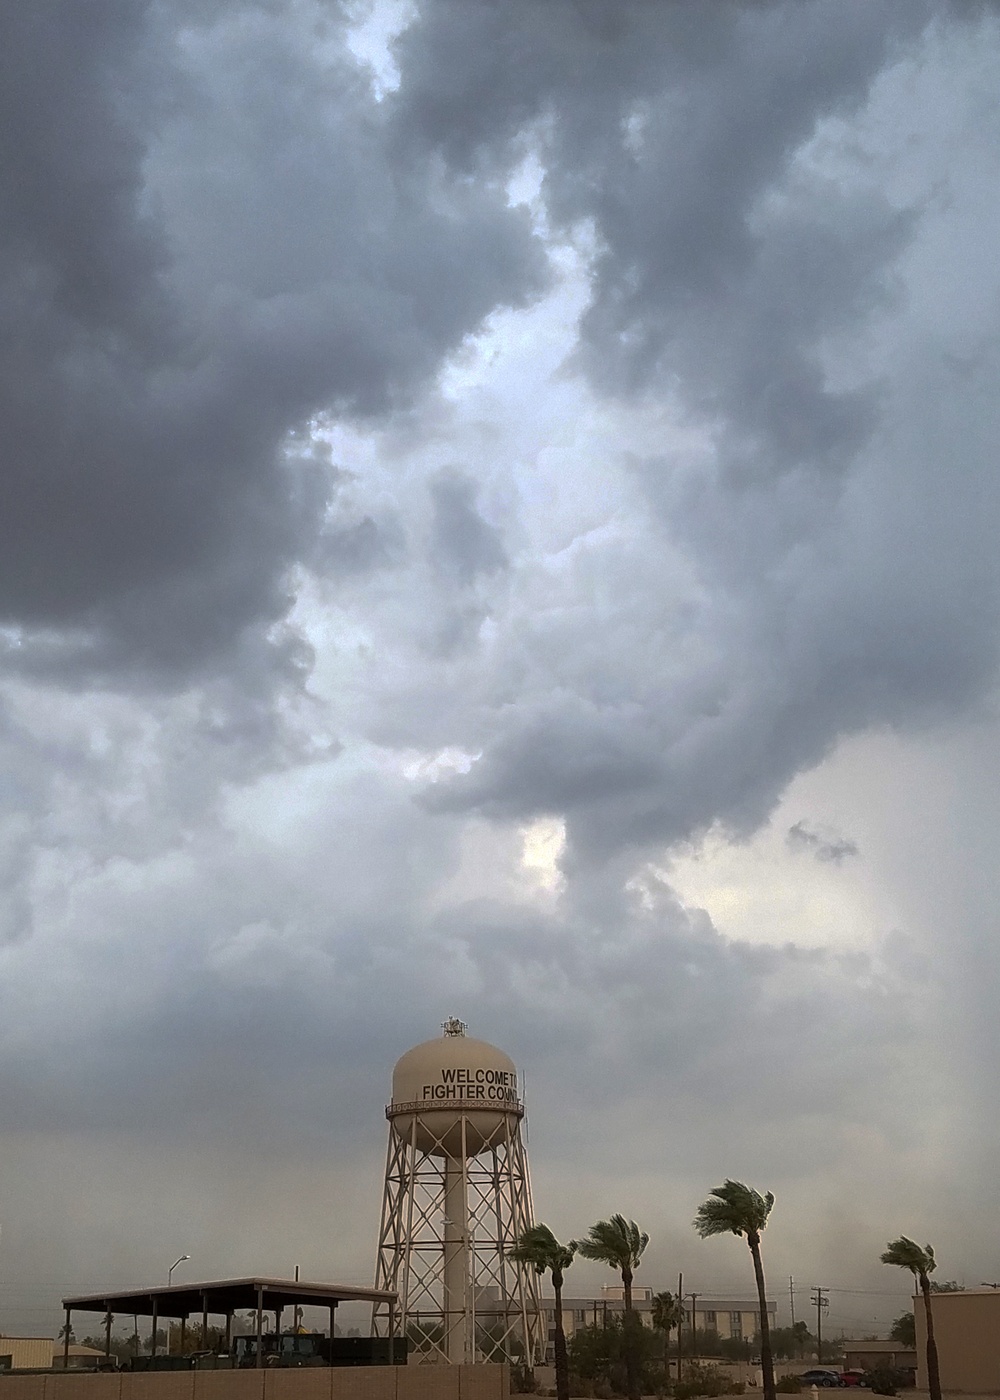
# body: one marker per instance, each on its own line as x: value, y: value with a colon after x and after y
x: 631, y: 1359
x: 562, y: 1356
x: 766, y: 1362
x: 933, y: 1374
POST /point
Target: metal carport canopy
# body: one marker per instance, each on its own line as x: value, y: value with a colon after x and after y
x: 225, y: 1296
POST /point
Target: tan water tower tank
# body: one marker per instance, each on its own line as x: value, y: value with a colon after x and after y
x: 445, y: 1081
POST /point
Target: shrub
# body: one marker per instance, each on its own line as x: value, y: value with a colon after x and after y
x: 886, y: 1380
x: 789, y: 1385
x: 701, y: 1379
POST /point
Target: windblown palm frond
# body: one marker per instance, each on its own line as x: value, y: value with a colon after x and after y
x: 667, y: 1312
x: 733, y: 1208
x: 737, y: 1209
x: 620, y: 1243
x: 617, y: 1242
x: 907, y: 1254
x: 541, y: 1251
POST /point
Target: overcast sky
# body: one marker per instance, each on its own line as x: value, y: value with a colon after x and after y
x: 500, y: 513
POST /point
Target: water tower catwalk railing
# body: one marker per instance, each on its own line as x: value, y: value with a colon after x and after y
x: 449, y: 1219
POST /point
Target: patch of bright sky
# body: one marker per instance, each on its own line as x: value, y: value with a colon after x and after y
x: 374, y: 26
x: 922, y: 811
x: 773, y: 890
x: 544, y: 842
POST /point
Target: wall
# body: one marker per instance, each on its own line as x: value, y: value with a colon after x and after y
x: 967, y: 1331
x: 321, y: 1383
x: 859, y: 1356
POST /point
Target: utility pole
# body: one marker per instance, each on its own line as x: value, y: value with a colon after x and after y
x: 680, y: 1325
x: 791, y: 1297
x: 820, y: 1303
x: 694, y: 1325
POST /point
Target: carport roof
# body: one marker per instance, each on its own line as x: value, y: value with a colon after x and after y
x: 224, y: 1296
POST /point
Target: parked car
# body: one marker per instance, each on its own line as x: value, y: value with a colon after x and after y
x: 854, y: 1377
x: 820, y: 1375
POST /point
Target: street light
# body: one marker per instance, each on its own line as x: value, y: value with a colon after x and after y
x: 173, y: 1266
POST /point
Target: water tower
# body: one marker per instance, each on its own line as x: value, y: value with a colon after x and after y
x: 457, y: 1196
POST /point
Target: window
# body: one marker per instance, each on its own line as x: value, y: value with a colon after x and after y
x: 710, y: 1321
x: 736, y: 1324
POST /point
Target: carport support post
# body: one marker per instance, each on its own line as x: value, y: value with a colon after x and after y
x: 184, y: 1328
x: 260, y: 1326
x: 392, y: 1331
x: 229, y: 1332
x: 69, y: 1328
x: 204, y: 1322
x: 277, y: 1325
x: 152, y: 1345
x: 107, y: 1335
x: 333, y: 1326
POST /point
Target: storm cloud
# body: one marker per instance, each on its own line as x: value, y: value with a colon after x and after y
x: 461, y: 461
x: 207, y: 239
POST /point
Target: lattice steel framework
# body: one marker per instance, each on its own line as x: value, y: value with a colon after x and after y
x: 448, y: 1223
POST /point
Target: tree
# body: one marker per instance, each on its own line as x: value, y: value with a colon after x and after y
x: 789, y: 1343
x: 121, y: 1347
x: 213, y: 1339
x: 667, y: 1313
x: 904, y: 1330
x: 737, y: 1209
x: 539, y: 1248
x: 619, y: 1243
x: 599, y: 1353
x: 906, y: 1254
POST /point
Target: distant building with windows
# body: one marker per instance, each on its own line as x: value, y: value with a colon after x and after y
x: 729, y: 1317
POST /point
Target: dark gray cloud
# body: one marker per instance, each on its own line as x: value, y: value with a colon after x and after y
x: 726, y: 495
x: 206, y: 239
x: 463, y: 542
x: 750, y: 269
x: 824, y: 846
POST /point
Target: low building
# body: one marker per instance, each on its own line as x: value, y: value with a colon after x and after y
x: 79, y: 1358
x: 729, y: 1317
x: 42, y: 1353
x: 868, y: 1355
x: 25, y: 1353
x: 967, y: 1332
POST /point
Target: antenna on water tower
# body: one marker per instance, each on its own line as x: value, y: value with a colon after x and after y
x: 457, y: 1197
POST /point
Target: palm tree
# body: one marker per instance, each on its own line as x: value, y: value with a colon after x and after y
x: 905, y: 1254
x: 619, y: 1243
x: 736, y: 1209
x: 668, y: 1313
x: 539, y: 1248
